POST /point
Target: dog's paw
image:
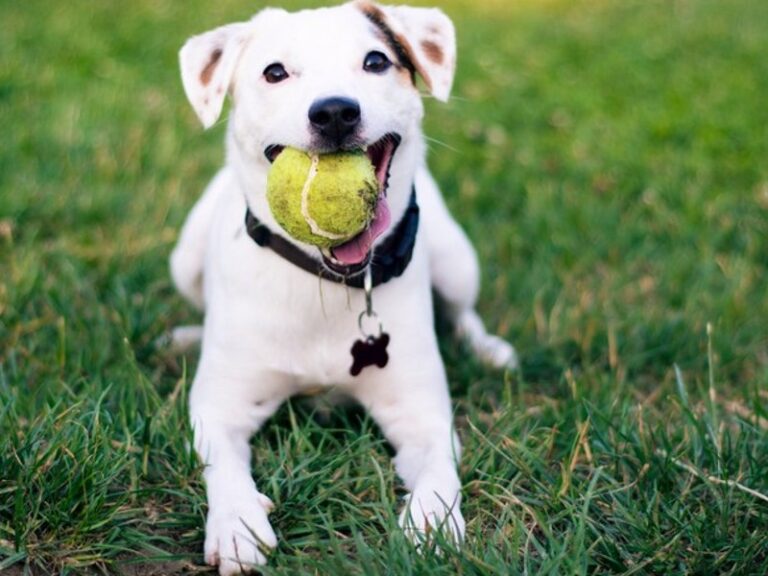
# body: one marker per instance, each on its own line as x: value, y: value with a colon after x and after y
x: 237, y: 537
x: 497, y: 353
x: 184, y: 338
x: 490, y: 349
x: 426, y: 511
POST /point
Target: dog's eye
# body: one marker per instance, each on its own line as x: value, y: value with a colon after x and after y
x: 376, y: 62
x: 275, y: 73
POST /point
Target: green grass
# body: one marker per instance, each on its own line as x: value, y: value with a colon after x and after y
x: 609, y: 160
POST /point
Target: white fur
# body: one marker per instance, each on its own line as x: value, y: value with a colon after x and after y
x: 271, y: 329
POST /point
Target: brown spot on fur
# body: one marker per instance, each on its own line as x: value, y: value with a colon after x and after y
x: 396, y: 42
x: 207, y: 73
x: 433, y: 51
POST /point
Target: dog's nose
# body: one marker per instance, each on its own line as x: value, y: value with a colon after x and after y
x: 335, y: 118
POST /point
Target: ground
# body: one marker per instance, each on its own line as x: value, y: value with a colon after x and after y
x: 608, y: 159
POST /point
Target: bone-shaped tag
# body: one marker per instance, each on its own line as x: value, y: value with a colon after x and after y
x: 369, y: 352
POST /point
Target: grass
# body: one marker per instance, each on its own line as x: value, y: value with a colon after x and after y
x: 609, y: 161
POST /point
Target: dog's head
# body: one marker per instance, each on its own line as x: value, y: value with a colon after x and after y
x: 341, y: 78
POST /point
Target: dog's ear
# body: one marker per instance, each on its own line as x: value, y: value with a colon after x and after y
x: 208, y: 62
x: 425, y: 36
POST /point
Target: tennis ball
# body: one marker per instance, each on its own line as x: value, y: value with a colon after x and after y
x: 323, y: 200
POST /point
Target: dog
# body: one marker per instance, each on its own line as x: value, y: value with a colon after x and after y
x: 283, y: 317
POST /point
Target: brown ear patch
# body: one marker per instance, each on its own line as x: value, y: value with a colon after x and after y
x: 433, y: 51
x: 207, y: 73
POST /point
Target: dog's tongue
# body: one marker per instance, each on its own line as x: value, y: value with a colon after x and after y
x: 355, y: 251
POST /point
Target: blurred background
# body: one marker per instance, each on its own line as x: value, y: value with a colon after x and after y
x: 609, y: 160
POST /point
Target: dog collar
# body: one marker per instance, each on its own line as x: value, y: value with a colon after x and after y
x: 388, y: 260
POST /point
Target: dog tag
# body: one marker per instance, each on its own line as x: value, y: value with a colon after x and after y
x: 369, y: 352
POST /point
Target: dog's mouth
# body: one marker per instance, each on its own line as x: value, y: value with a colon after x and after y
x: 353, y: 256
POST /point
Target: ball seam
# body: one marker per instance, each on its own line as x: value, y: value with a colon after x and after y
x: 313, y: 225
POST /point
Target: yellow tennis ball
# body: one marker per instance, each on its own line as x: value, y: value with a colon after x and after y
x: 323, y: 200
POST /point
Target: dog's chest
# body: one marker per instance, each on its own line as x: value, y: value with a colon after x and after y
x: 274, y: 315
x: 282, y: 318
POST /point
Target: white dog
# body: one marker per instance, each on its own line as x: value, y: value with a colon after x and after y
x: 282, y: 317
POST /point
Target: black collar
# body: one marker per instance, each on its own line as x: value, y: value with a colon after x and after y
x: 389, y: 259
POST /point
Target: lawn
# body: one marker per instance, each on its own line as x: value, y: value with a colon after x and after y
x: 609, y: 160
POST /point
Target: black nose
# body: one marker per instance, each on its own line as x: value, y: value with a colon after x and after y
x: 335, y: 118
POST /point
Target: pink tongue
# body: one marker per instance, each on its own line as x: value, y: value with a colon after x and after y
x: 355, y: 251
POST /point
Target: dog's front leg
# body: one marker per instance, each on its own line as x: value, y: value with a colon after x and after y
x: 412, y: 406
x: 223, y: 419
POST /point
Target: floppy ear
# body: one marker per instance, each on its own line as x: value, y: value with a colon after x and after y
x: 425, y: 36
x: 207, y: 64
